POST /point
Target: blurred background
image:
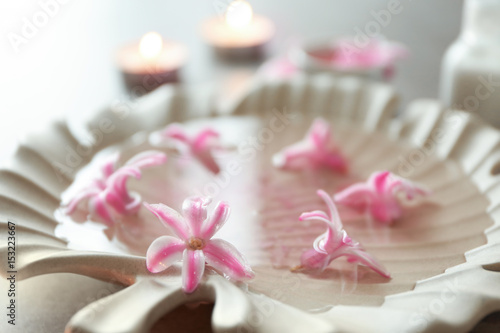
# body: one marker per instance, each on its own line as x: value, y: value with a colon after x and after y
x: 67, y: 67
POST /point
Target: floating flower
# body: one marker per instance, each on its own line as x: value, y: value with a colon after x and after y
x: 344, y: 55
x: 334, y: 243
x: 376, y: 53
x: 200, y: 145
x: 107, y: 196
x: 382, y: 195
x: 317, y: 150
x: 193, y: 243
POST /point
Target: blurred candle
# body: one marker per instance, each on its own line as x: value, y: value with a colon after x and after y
x: 241, y: 34
x: 151, y: 62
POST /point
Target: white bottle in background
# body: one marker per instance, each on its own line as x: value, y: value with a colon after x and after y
x: 470, y: 75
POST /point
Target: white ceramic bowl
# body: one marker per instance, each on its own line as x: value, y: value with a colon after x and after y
x: 115, y: 293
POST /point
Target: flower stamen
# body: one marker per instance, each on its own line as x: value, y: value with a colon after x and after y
x: 196, y: 243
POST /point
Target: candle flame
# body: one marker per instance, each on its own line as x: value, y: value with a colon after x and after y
x: 239, y: 13
x: 151, y: 45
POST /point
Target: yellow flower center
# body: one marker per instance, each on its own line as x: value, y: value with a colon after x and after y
x: 196, y: 243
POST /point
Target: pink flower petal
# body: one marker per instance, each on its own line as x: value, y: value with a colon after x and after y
x: 216, y: 220
x: 200, y: 146
x: 379, y: 180
x: 192, y: 269
x: 147, y: 159
x: 195, y: 212
x: 163, y: 252
x: 117, y: 182
x: 380, y: 196
x: 124, y: 207
x: 320, y: 133
x: 117, y: 194
x: 206, y: 158
x: 98, y: 208
x: 336, y: 162
x: 377, y: 53
x: 134, y: 205
x: 115, y: 201
x: 175, y: 131
x: 170, y: 218
x: 332, y: 209
x: 224, y: 257
x: 294, y: 157
x: 386, y: 212
x: 410, y: 189
x: 315, y: 215
x: 314, y: 259
x: 204, y: 138
x: 357, y: 196
x: 109, y: 166
x: 80, y: 197
x: 361, y: 256
x: 317, y: 150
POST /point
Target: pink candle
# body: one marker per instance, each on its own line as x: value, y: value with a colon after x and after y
x: 241, y: 34
x: 151, y: 62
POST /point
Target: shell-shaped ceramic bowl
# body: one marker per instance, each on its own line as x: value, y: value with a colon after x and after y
x: 446, y: 275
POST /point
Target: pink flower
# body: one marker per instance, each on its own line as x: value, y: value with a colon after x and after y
x: 107, y: 197
x: 200, y: 145
x: 381, y: 195
x: 376, y: 53
x: 317, y: 150
x: 334, y: 243
x: 193, y: 243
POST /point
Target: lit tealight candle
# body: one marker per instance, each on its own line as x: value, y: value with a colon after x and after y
x: 241, y: 34
x: 150, y: 63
